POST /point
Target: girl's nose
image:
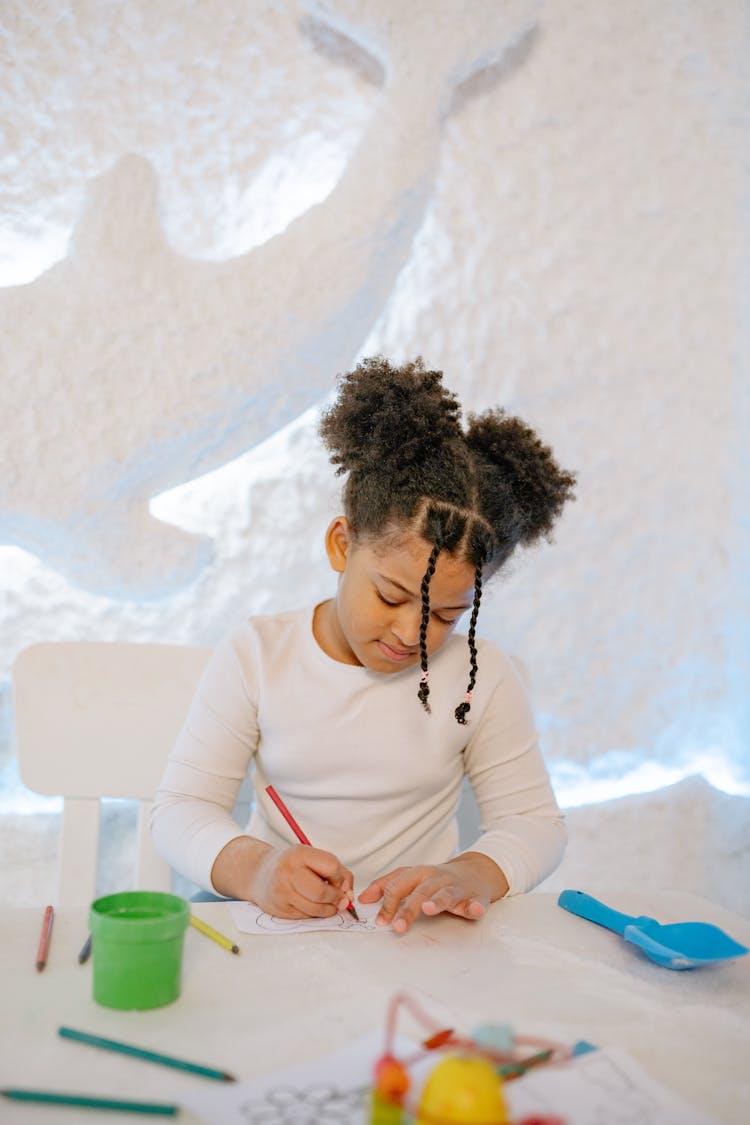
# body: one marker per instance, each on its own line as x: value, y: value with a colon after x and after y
x: 406, y: 630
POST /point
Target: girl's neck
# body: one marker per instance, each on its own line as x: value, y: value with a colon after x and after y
x: 328, y: 635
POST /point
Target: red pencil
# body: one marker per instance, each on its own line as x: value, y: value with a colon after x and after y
x: 298, y: 831
x: 44, y: 939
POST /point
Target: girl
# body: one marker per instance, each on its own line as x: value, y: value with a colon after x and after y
x: 365, y: 711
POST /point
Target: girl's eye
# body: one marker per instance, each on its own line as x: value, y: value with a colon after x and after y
x: 384, y: 600
x: 444, y: 620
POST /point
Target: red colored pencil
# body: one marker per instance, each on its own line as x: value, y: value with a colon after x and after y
x: 298, y: 831
x: 44, y: 939
x: 287, y: 816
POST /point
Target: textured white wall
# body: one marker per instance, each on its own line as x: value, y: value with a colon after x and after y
x: 568, y: 240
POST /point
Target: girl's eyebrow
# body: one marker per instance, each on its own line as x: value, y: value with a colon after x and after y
x: 411, y: 594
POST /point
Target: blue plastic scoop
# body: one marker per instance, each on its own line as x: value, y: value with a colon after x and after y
x: 681, y: 945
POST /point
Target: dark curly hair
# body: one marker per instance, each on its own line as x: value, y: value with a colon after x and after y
x: 476, y: 493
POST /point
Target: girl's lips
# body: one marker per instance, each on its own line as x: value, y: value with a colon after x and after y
x: 395, y: 654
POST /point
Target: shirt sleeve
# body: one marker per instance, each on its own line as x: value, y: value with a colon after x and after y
x: 523, y: 829
x: 191, y: 819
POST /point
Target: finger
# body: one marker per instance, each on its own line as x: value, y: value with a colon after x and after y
x: 446, y: 897
x: 411, y: 908
x: 372, y: 893
x: 396, y: 887
x: 376, y: 888
x: 311, y: 871
x: 440, y: 903
x: 301, y: 908
x: 327, y: 866
x: 309, y: 886
x: 432, y: 897
x: 347, y: 885
x: 327, y: 890
x: 313, y: 907
x: 289, y: 904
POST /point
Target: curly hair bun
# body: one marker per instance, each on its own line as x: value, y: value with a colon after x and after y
x: 389, y: 418
x: 518, y: 465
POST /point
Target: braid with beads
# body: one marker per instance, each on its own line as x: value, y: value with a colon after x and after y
x: 424, y: 686
x: 463, y: 708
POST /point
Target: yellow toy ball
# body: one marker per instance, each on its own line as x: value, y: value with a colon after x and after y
x: 462, y: 1091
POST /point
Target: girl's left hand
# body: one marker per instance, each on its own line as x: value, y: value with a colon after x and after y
x: 464, y: 886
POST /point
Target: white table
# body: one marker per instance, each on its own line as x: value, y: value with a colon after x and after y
x: 292, y: 998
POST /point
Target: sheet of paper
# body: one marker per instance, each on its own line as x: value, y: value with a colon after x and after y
x: 598, y: 1087
x: 250, y: 919
x: 604, y: 1086
x: 331, y: 1091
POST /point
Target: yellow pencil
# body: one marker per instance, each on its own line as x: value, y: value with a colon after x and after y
x: 209, y: 931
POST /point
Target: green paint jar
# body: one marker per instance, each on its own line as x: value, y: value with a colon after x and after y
x: 137, y: 939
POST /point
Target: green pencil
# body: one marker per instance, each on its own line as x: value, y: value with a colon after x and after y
x: 142, y: 1053
x: 515, y: 1070
x: 81, y: 1100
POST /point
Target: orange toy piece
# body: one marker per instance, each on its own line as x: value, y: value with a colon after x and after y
x: 463, y: 1091
x: 391, y: 1079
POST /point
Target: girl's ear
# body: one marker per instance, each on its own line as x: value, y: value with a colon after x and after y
x: 338, y: 540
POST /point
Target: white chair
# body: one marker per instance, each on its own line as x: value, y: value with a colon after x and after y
x: 97, y: 720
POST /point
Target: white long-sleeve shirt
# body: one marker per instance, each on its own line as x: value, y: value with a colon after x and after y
x: 365, y: 771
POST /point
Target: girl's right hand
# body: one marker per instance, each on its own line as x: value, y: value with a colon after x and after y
x: 301, y: 882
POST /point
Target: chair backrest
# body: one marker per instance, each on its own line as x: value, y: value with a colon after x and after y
x: 97, y: 720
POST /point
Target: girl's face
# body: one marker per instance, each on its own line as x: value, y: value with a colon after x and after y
x: 375, y: 617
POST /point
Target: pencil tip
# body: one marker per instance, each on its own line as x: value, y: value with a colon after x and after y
x: 228, y: 1078
x: 235, y: 949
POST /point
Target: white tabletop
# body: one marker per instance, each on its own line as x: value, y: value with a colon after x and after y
x: 293, y: 997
